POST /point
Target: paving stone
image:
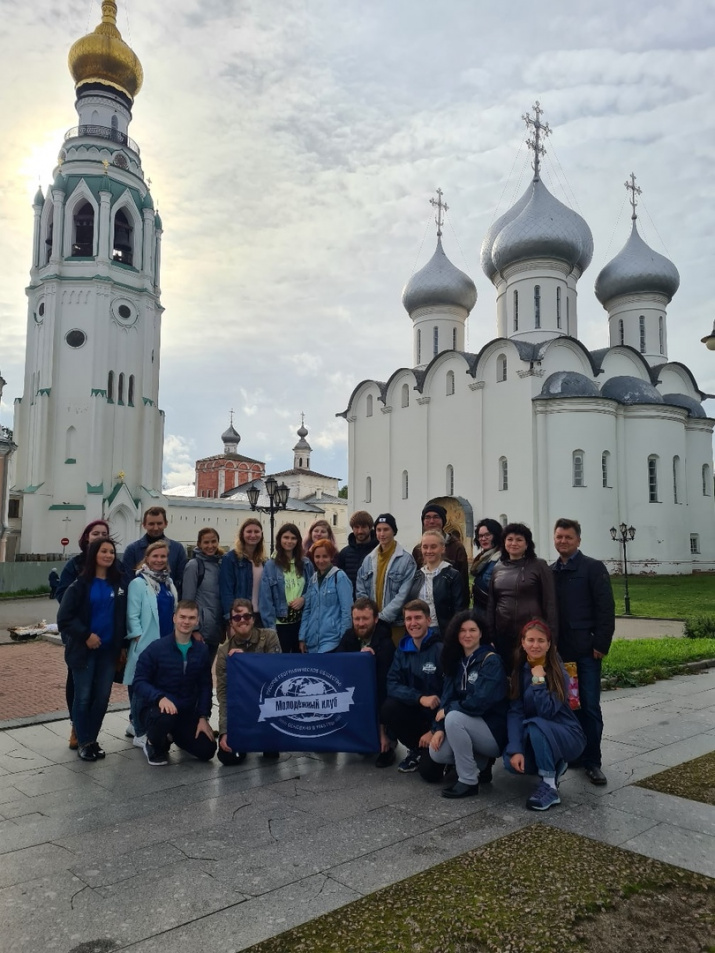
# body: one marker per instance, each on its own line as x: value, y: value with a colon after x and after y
x: 681, y: 751
x: 596, y: 818
x: 674, y: 845
x: 33, y: 863
x: 676, y: 811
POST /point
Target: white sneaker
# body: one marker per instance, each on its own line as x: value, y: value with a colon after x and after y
x: 139, y: 741
x: 129, y: 730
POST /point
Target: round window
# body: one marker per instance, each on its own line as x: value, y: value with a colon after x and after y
x: 75, y: 338
x: 124, y: 312
x: 41, y: 309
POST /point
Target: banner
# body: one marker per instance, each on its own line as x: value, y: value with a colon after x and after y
x: 321, y: 702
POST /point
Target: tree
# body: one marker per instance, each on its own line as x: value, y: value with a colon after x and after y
x: 343, y: 492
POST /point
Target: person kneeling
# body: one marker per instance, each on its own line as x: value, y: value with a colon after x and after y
x: 544, y: 734
x: 173, y: 680
x: 470, y: 727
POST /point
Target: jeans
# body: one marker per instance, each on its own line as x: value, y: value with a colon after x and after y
x: 136, y: 705
x: 468, y: 744
x: 538, y: 756
x: 589, y: 714
x: 92, y: 688
x: 182, y: 728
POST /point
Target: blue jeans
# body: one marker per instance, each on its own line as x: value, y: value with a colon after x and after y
x: 589, y: 714
x: 538, y: 756
x: 92, y: 688
x: 136, y: 704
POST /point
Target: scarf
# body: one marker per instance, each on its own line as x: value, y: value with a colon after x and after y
x: 480, y: 560
x: 154, y: 580
x: 427, y: 590
x: 383, y: 558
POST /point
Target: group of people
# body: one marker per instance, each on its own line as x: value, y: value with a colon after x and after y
x: 469, y: 659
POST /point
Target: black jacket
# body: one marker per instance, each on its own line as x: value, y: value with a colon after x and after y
x: 161, y: 672
x: 447, y: 591
x: 415, y: 672
x: 384, y: 648
x: 74, y: 621
x: 351, y: 557
x: 479, y: 689
x: 587, y: 614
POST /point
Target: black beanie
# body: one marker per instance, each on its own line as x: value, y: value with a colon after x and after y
x: 389, y: 519
x: 435, y: 508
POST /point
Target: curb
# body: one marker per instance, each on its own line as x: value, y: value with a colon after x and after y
x: 609, y: 684
x: 28, y: 720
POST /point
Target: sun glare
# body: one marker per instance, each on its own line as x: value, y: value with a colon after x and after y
x: 39, y: 161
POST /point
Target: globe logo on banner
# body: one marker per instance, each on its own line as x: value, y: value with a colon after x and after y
x: 308, y: 703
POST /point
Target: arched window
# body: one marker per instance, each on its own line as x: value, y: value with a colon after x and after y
x: 537, y: 306
x: 435, y: 341
x: 83, y: 232
x: 115, y: 123
x: 676, y: 479
x: 450, y: 480
x: 405, y: 395
x: 120, y: 389
x: 568, y: 315
x: 419, y: 346
x: 405, y: 485
x: 50, y: 231
x: 641, y: 333
x: 450, y: 383
x: 621, y: 332
x: 454, y: 339
x: 71, y: 445
x: 577, y: 464
x: 501, y: 368
x: 110, y: 387
x: 653, y: 479
x: 368, y: 489
x: 605, y: 467
x: 130, y: 392
x: 503, y: 519
x: 558, y: 307
x: 707, y: 481
x: 503, y: 474
x: 368, y: 406
x: 516, y: 310
x: 122, y: 247
x: 661, y: 334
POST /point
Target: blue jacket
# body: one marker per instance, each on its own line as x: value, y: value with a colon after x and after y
x: 327, y: 611
x: 235, y: 580
x: 536, y: 705
x: 160, y: 672
x: 414, y: 672
x: 398, y: 579
x: 74, y: 621
x: 479, y: 689
x: 447, y: 594
x: 272, y: 603
x: 134, y: 556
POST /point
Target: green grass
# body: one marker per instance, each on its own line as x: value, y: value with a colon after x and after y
x: 667, y: 597
x: 23, y: 593
x: 694, y: 780
x: 642, y: 661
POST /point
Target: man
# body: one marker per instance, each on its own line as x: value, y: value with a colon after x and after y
x: 173, y: 679
x: 587, y: 619
x: 155, y: 523
x: 369, y: 634
x: 361, y: 541
x: 434, y: 516
x: 386, y: 574
x: 414, y: 684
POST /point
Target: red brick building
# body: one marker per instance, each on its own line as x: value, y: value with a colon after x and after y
x: 224, y: 471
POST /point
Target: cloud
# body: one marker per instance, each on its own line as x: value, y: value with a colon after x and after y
x: 178, y: 461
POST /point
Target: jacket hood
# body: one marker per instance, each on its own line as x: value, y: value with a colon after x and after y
x: 353, y: 543
x: 407, y: 645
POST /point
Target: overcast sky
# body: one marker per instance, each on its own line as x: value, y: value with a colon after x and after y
x: 293, y: 148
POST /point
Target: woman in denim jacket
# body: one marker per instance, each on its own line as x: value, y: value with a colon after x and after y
x: 282, y: 592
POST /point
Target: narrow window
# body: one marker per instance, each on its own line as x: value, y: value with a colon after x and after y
x: 115, y: 124
x: 368, y: 406
x: 676, y: 478
x: 405, y: 395
x: 419, y: 346
x: 83, y: 244
x: 450, y: 480
x: 568, y: 315
x: 71, y: 445
x: 641, y: 330
x: 558, y: 307
x: 450, y: 383
x: 605, y: 463
x: 621, y: 332
x: 501, y: 368
x: 537, y: 306
x: 694, y: 544
x: 48, y: 240
x: 405, y: 485
x: 110, y: 386
x: 435, y: 341
x: 503, y: 520
x: 661, y: 335
x: 516, y: 310
x: 577, y: 462
x: 368, y: 489
x: 122, y: 247
x: 454, y: 339
x: 707, y: 481
x: 130, y: 392
x: 653, y: 479
x: 503, y: 474
x: 120, y: 389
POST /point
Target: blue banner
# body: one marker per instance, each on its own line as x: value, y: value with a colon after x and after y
x: 321, y: 702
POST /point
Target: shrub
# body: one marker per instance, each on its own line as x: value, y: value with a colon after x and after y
x: 700, y: 627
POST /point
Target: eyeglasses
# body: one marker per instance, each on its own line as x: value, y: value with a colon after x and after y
x: 242, y: 616
x: 484, y: 535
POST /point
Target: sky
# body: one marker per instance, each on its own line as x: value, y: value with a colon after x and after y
x: 293, y: 147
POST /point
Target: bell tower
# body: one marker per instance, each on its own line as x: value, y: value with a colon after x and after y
x: 88, y: 427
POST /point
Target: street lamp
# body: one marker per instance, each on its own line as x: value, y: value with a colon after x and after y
x: 624, y: 534
x: 277, y: 497
x: 709, y: 340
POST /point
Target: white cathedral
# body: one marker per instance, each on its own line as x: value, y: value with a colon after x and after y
x: 535, y: 426
x: 88, y: 428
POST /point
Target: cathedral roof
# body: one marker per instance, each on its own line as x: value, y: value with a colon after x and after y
x: 569, y: 384
x: 631, y: 390
x: 439, y: 283
x: 637, y: 269
x: 693, y: 406
x: 103, y: 57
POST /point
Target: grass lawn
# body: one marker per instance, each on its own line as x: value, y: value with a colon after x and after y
x: 642, y: 661
x: 694, y: 780
x: 667, y: 597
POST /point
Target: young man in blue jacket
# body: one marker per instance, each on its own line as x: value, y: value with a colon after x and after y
x: 414, y: 686
x: 173, y: 679
x: 155, y: 523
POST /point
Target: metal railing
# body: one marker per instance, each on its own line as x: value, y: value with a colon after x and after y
x: 102, y: 132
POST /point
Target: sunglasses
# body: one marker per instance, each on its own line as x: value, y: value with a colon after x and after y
x: 241, y: 616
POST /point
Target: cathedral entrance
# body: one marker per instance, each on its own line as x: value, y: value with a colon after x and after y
x: 460, y: 519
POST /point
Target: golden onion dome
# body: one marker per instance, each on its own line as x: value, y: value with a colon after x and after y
x: 103, y: 57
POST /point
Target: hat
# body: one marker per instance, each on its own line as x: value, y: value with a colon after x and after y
x: 389, y: 519
x: 435, y: 508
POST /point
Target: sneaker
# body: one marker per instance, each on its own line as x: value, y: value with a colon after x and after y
x: 543, y: 798
x: 411, y: 762
x: 386, y: 758
x: 139, y: 741
x: 129, y: 730
x: 155, y: 756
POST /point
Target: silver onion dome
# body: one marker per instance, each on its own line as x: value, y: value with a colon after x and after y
x: 545, y: 228
x: 439, y: 283
x: 631, y: 390
x: 486, y: 260
x: 637, y: 269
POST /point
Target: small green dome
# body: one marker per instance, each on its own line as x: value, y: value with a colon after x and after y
x: 148, y: 201
x: 39, y: 197
x: 157, y: 222
x: 60, y: 182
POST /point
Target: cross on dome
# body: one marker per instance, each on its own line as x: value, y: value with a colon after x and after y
x: 441, y: 207
x: 541, y: 129
x: 630, y: 184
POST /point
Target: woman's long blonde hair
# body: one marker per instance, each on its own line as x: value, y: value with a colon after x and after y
x: 259, y: 556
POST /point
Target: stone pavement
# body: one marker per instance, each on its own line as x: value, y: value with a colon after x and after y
x: 195, y: 856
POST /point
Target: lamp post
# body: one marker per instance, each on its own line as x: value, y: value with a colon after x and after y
x: 277, y: 497
x: 624, y: 534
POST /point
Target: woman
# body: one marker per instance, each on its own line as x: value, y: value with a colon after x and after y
x: 320, y: 529
x: 281, y: 595
x: 243, y: 636
x: 437, y: 582
x: 242, y: 568
x: 97, y: 529
x: 328, y: 601
x: 544, y: 734
x: 470, y: 726
x: 150, y: 615
x: 487, y: 536
x: 521, y: 588
x: 201, y: 585
x: 92, y: 620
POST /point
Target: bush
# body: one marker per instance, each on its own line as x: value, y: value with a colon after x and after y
x: 700, y: 627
